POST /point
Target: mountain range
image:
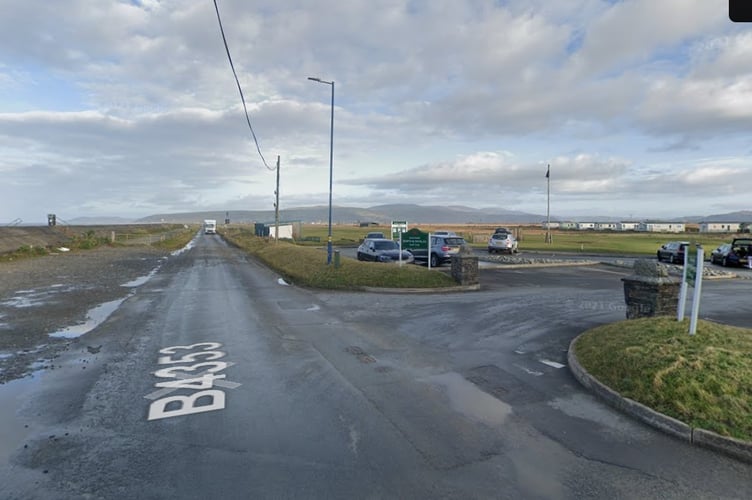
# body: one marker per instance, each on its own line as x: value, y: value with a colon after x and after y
x: 414, y: 214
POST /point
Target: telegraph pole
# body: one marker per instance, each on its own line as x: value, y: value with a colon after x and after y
x: 276, y: 206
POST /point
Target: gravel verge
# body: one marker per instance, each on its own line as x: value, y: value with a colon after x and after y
x: 44, y: 295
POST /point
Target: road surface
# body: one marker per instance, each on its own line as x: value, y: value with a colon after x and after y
x: 216, y: 379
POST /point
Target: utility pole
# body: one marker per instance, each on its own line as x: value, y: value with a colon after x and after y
x: 276, y: 206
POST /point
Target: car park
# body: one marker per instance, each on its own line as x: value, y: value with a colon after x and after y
x: 382, y: 250
x: 672, y: 252
x: 736, y: 253
x: 443, y: 248
x: 502, y: 242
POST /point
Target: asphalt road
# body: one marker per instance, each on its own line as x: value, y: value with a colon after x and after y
x: 216, y: 380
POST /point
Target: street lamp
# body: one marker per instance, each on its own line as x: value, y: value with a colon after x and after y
x: 331, y: 153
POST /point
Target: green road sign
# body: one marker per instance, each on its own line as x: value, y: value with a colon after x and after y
x: 415, y: 239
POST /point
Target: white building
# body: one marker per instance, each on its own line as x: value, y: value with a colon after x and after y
x: 662, y: 227
x: 605, y: 226
x: 719, y: 227
x: 627, y: 226
x: 585, y: 225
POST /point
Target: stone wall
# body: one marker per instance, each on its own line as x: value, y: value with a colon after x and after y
x: 465, y: 268
x: 650, y: 291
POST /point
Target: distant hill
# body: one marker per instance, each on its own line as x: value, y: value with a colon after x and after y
x: 98, y: 221
x: 382, y: 214
x: 740, y: 216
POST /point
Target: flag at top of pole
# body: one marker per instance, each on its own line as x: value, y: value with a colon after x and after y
x: 548, y: 172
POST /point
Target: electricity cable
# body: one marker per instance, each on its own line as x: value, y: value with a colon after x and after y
x: 242, y: 98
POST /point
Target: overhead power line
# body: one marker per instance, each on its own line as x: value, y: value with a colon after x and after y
x: 242, y: 98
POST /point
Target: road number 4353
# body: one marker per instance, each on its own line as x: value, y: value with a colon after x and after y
x: 189, y: 368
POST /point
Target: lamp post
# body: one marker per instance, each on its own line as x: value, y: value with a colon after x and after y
x: 331, y: 156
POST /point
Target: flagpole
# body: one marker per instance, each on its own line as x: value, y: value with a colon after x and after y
x: 548, y: 204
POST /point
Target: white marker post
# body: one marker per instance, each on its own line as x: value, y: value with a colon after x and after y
x: 698, y: 289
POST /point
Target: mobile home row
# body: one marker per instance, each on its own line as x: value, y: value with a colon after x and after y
x: 648, y: 226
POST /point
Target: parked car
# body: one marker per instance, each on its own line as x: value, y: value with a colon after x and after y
x: 382, y: 250
x: 502, y: 230
x: 673, y: 252
x: 736, y: 253
x: 442, y: 249
x: 502, y: 242
x: 375, y: 235
x: 444, y: 233
x: 720, y: 254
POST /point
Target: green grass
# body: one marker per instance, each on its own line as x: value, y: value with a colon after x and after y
x: 176, y: 239
x: 533, y: 238
x: 703, y: 380
x: 307, y: 266
x: 175, y: 236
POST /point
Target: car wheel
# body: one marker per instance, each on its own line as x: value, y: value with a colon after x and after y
x: 434, y: 260
x: 659, y: 256
x: 724, y: 262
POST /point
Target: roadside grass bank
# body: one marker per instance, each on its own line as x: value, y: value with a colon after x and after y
x: 167, y: 237
x: 307, y: 266
x: 701, y: 380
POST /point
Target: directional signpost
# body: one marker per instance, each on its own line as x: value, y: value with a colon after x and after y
x: 398, y: 227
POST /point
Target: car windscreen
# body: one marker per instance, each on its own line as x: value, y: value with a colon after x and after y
x: 385, y: 245
x: 500, y: 236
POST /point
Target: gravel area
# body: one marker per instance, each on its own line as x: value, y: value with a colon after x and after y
x: 44, y: 295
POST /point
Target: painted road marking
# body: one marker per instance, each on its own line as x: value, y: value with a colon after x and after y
x: 195, y: 371
x: 551, y: 363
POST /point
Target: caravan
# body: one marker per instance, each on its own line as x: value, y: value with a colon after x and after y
x: 210, y: 226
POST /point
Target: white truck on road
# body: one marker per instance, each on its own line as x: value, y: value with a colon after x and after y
x: 210, y: 226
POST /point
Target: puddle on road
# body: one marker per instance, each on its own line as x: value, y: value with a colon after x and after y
x: 13, y: 431
x: 187, y: 247
x: 94, y: 318
x: 141, y: 280
x: 468, y: 399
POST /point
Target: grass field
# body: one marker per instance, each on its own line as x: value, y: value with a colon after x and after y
x: 532, y: 238
x: 702, y: 380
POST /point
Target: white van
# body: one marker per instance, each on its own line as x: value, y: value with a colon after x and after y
x: 210, y: 226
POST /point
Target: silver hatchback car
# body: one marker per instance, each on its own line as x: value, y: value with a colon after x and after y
x: 502, y: 242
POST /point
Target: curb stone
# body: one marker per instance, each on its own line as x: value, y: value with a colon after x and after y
x: 735, y: 448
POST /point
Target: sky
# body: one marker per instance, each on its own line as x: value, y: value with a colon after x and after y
x: 642, y: 108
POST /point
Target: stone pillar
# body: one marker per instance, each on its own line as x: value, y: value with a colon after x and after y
x: 650, y: 291
x: 465, y: 268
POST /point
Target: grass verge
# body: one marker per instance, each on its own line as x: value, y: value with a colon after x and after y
x: 307, y: 266
x: 702, y: 380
